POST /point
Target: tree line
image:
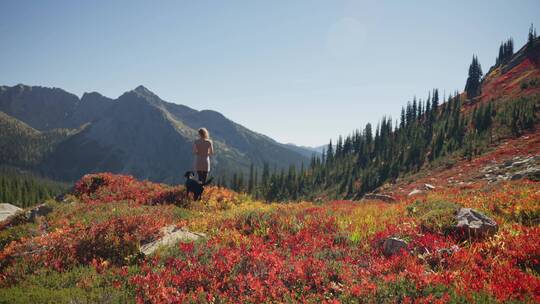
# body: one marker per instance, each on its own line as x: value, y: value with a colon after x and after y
x: 25, y: 189
x: 427, y: 130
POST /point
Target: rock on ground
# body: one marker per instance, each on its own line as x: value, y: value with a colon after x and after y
x: 429, y: 187
x: 392, y: 246
x: 380, y: 197
x: 516, y: 168
x: 171, y: 236
x: 474, y: 223
x: 7, y: 210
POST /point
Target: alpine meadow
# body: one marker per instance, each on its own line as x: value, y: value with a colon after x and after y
x: 99, y: 196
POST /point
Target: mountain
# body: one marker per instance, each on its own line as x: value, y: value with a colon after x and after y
x: 137, y: 133
x: 39, y: 107
x: 304, y: 150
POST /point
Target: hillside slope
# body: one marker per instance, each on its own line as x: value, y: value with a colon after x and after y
x: 429, y: 131
x: 520, y: 77
x: 24, y: 146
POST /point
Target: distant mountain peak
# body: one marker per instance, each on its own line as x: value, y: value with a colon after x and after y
x: 143, y: 91
x: 87, y: 95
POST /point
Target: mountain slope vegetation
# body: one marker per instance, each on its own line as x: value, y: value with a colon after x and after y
x: 24, y: 146
x: 24, y: 189
x: 88, y: 247
x: 504, y: 103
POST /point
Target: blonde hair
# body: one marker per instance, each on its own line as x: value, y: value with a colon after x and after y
x: 203, y: 133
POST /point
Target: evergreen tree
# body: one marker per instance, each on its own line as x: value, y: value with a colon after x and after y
x: 414, y: 109
x: 255, y: 184
x: 409, y: 114
x: 265, y: 175
x: 339, y: 146
x: 506, y: 51
x: 251, y: 181
x: 531, y: 37
x: 435, y: 101
x: 25, y: 189
x: 368, y: 134
x: 402, y: 118
x: 472, y: 87
x: 329, y: 152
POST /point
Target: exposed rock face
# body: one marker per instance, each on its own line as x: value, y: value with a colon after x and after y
x: 171, y: 236
x: 513, y: 169
x: 392, y: 246
x: 7, y: 210
x: 532, y: 173
x: 473, y: 223
x: 381, y: 197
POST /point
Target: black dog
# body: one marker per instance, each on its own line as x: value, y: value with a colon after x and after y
x: 194, y: 186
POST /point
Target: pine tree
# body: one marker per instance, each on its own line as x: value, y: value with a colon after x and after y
x: 256, y: 184
x: 329, y: 152
x: 402, y: 118
x: 251, y: 181
x: 265, y: 174
x: 506, y: 51
x: 472, y: 87
x: 408, y: 114
x: 339, y: 146
x: 414, y: 109
x: 531, y: 37
x: 435, y: 100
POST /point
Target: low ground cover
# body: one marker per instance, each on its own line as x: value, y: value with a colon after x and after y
x: 87, y: 249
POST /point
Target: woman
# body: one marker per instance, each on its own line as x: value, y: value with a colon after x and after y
x: 203, y: 148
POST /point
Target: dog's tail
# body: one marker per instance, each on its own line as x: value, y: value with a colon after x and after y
x: 208, y: 181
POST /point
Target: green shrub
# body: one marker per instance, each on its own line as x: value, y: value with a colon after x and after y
x: 519, y: 115
x: 79, y: 285
x: 530, y: 83
x: 15, y: 233
x: 435, y: 216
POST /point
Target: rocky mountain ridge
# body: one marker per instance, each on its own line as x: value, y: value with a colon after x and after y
x: 138, y: 133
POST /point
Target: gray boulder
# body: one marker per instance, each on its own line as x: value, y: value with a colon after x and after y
x: 380, y: 197
x: 472, y: 223
x: 532, y: 173
x: 7, y: 210
x: 171, y: 236
x: 393, y: 246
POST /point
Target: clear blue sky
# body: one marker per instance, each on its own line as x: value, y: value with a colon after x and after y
x: 298, y: 71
